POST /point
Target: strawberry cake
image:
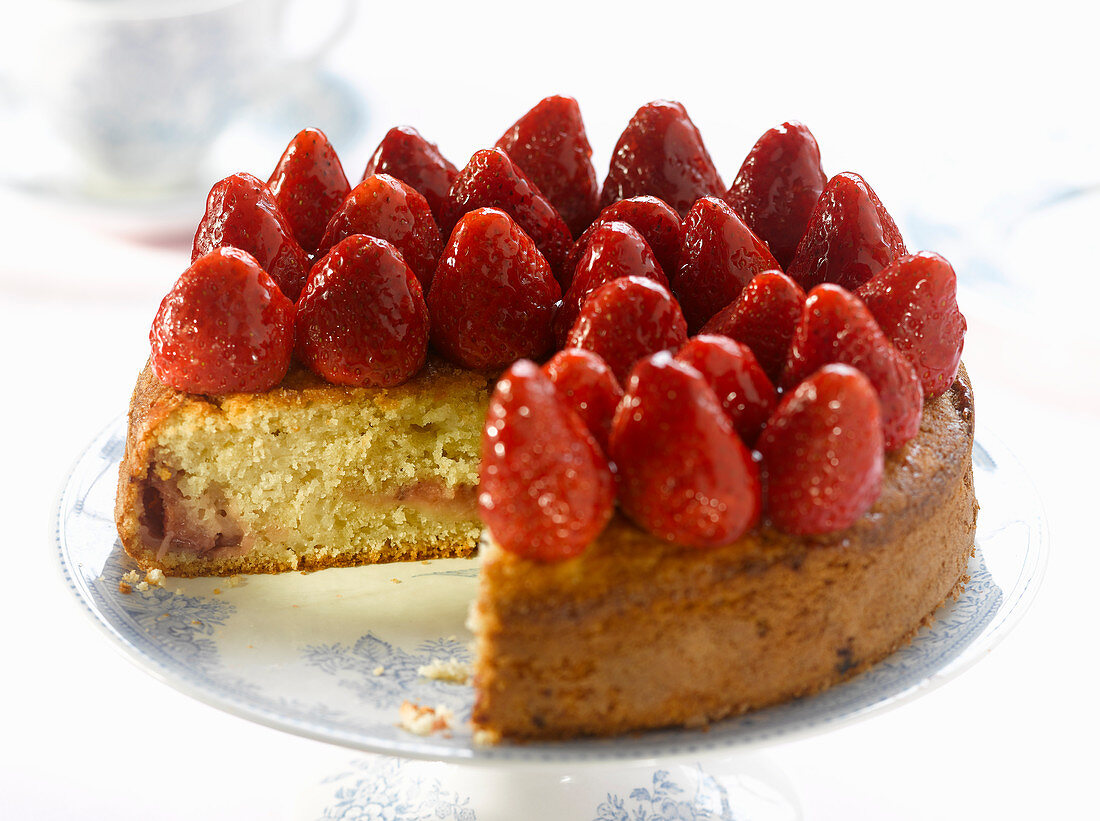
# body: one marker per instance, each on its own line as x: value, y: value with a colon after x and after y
x: 712, y: 444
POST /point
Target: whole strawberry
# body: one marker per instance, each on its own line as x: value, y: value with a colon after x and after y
x: 626, y: 319
x: 849, y: 238
x: 406, y: 155
x: 823, y: 453
x: 241, y: 212
x: 384, y: 207
x: 361, y: 319
x: 493, y: 297
x: 719, y: 255
x: 585, y: 383
x: 764, y: 317
x: 546, y: 489
x: 309, y: 184
x: 225, y: 327
x: 684, y: 475
x: 661, y: 153
x: 549, y: 144
x: 778, y: 186
x: 836, y: 327
x: 658, y: 224
x: 913, y: 301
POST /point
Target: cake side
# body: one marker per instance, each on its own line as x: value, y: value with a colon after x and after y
x: 560, y: 652
x: 304, y: 476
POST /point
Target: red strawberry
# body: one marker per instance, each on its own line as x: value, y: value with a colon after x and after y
x: 490, y: 179
x: 913, y: 301
x: 225, y: 327
x: 778, y: 186
x: 549, y: 144
x: 384, y: 207
x: 361, y: 317
x: 546, y: 489
x: 661, y: 153
x: 309, y: 184
x: 585, y: 383
x: 626, y: 319
x: 493, y: 297
x: 823, y: 453
x: 404, y: 154
x: 718, y: 257
x: 651, y: 217
x: 849, y: 237
x: 745, y: 393
x: 763, y: 317
x: 684, y: 476
x: 615, y: 250
x: 242, y: 213
x: 837, y: 327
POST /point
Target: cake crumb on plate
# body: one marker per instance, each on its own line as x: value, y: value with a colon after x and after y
x: 421, y: 720
x: 451, y: 670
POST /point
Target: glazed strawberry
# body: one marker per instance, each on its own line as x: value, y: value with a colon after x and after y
x: 404, y: 154
x: 242, y: 213
x: 778, y: 186
x: 684, y: 475
x: 384, y: 207
x: 626, y: 319
x: 361, y: 319
x: 309, y: 184
x: 913, y: 301
x: 746, y: 394
x: 849, y: 238
x: 763, y: 317
x: 614, y: 250
x: 493, y: 297
x: 823, y: 453
x: 836, y: 327
x: 490, y: 179
x: 585, y: 383
x: 546, y: 488
x: 661, y: 153
x: 719, y: 255
x: 549, y: 144
x: 225, y: 327
x: 651, y: 217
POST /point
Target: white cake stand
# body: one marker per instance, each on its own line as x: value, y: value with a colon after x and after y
x: 332, y: 655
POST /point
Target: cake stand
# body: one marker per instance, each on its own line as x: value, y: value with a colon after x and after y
x: 332, y: 655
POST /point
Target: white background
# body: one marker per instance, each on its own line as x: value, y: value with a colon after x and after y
x: 964, y: 117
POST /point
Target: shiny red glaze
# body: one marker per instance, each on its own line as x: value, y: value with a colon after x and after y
x: 241, y: 212
x: 225, y: 327
x: 746, y: 394
x: 309, y: 184
x: 653, y: 219
x: 913, y: 301
x: 684, y: 475
x: 491, y: 180
x: 778, y: 186
x: 406, y: 155
x: 546, y: 488
x: 614, y: 250
x: 361, y: 318
x: 719, y: 255
x: 626, y: 319
x: 585, y: 383
x: 384, y: 207
x: 836, y: 327
x: 764, y: 317
x: 494, y: 296
x: 823, y: 453
x: 661, y: 153
x: 850, y: 237
x: 549, y: 144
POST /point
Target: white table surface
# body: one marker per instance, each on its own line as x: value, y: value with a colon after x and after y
x: 954, y: 123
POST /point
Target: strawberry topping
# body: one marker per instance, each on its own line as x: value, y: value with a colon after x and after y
x: 309, y: 184
x: 404, y: 154
x: 585, y: 383
x: 651, y: 217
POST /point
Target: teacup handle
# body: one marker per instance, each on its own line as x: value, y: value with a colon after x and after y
x: 342, y: 20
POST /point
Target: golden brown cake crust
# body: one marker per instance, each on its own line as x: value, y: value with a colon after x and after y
x: 637, y: 633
